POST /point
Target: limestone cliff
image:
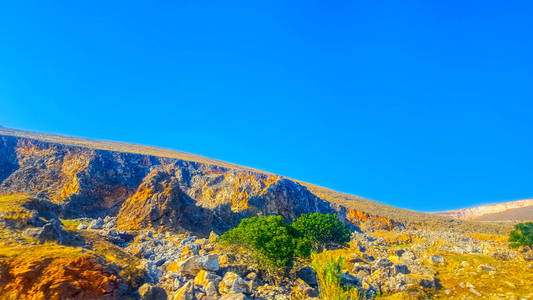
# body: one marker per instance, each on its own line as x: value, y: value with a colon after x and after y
x: 146, y: 190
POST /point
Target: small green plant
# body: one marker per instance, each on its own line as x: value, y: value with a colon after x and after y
x: 522, y: 235
x: 329, y: 278
x: 322, y: 230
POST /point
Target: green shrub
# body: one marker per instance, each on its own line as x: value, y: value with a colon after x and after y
x: 275, y: 243
x: 522, y: 235
x: 322, y: 229
x: 270, y: 236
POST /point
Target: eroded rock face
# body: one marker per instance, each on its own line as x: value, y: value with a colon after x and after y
x: 147, y: 191
x: 57, y: 278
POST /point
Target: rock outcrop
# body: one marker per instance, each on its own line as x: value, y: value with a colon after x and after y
x: 147, y: 191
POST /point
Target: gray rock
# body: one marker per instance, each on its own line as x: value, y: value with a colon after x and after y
x: 348, y: 280
x: 209, y: 262
x: 383, y: 263
x: 437, y: 259
x: 361, y: 270
x: 51, y: 231
x: 96, y: 224
x: 151, y: 292
x: 81, y: 226
x: 186, y: 292
x: 308, y: 275
x: 211, y: 290
x: 403, y: 269
x: 486, y: 268
x: 109, y: 222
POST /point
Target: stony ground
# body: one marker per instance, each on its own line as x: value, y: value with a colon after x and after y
x: 398, y: 264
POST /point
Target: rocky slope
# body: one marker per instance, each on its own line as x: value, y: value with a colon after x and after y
x: 507, y: 211
x: 152, y: 187
x: 147, y: 191
x: 82, y: 219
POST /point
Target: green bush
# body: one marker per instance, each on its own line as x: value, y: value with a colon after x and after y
x: 270, y: 236
x: 322, y: 229
x: 275, y: 243
x: 522, y: 235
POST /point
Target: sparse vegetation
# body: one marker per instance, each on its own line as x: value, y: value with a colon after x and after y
x: 522, y: 235
x: 329, y: 279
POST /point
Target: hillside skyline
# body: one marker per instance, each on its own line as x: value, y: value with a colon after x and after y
x: 418, y: 105
x: 173, y: 153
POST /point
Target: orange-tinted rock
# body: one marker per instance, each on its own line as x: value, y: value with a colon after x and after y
x: 56, y: 278
x: 369, y: 221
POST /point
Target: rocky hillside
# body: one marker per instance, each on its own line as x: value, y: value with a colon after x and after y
x: 149, y: 186
x: 147, y: 191
x: 82, y: 219
x: 507, y: 211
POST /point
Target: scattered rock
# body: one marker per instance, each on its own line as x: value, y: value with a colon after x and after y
x: 186, y: 292
x: 109, y: 222
x: 151, y: 292
x: 486, y: 268
x: 96, y: 224
x: 204, y: 277
x: 232, y: 283
x: 211, y: 290
x: 403, y: 269
x: 302, y: 290
x: 437, y: 259
x: 382, y: 263
x: 234, y: 296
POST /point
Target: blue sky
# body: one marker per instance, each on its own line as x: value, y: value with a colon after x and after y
x: 420, y: 104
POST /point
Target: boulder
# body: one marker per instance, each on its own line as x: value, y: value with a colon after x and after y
x: 361, y: 270
x: 149, y: 291
x: 211, y: 290
x: 209, y: 262
x: 194, y: 264
x: 382, y: 263
x: 51, y: 231
x: 302, y: 290
x: 204, y: 277
x: 232, y: 283
x: 308, y: 275
x: 186, y: 292
x: 402, y: 269
x: 348, y: 280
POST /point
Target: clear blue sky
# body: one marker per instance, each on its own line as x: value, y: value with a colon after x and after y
x: 425, y: 105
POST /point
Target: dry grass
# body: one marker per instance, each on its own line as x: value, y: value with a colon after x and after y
x: 328, y: 265
x: 512, y: 279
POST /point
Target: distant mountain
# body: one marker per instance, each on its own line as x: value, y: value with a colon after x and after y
x: 521, y: 210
